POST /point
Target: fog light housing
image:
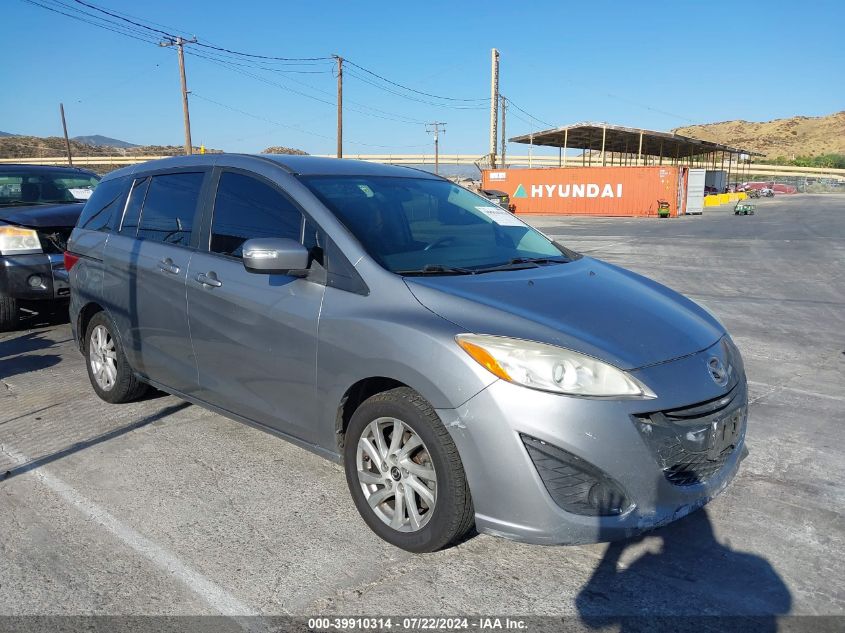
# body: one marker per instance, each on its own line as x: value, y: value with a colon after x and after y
x: 574, y: 484
x: 35, y: 281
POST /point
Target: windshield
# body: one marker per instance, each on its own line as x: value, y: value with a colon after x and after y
x: 44, y: 186
x: 416, y: 225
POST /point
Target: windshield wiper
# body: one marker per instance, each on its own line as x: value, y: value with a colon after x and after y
x: 521, y: 263
x: 21, y: 203
x: 557, y: 259
x: 437, y: 269
x: 35, y: 203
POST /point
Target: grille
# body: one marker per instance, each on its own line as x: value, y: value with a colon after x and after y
x: 575, y: 485
x: 689, y: 468
x: 693, y: 443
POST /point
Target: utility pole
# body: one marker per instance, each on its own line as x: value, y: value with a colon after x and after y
x: 179, y: 43
x: 504, y: 142
x: 434, y: 128
x: 67, y: 140
x: 494, y: 104
x: 339, y: 105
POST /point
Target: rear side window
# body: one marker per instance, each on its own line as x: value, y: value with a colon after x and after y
x: 245, y: 208
x: 169, y: 208
x: 105, y: 203
x: 129, y: 226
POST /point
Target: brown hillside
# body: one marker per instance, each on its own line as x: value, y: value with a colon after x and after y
x: 51, y: 146
x: 797, y: 136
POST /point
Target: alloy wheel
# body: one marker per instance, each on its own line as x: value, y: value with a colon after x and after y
x: 396, y: 474
x: 103, y: 357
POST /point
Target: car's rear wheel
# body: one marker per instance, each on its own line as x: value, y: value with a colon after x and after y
x: 9, y: 314
x: 404, y: 472
x: 111, y: 376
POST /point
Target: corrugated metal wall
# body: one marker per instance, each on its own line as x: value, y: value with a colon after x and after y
x: 610, y: 191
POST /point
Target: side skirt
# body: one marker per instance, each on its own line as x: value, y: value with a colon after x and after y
x: 313, y: 448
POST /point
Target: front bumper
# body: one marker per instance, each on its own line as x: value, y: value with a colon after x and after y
x: 630, y: 442
x: 19, y: 274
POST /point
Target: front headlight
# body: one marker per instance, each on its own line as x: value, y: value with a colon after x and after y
x: 550, y: 368
x: 17, y: 240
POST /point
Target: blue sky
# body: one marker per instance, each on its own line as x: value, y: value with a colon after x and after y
x: 646, y: 64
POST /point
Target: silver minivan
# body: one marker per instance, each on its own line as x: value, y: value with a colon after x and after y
x: 466, y: 370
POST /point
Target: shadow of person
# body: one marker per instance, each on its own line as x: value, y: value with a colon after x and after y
x: 669, y: 578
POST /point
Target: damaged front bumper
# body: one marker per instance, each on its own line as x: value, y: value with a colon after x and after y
x: 34, y: 277
x: 552, y: 469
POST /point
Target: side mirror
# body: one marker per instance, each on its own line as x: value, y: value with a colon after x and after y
x: 275, y: 256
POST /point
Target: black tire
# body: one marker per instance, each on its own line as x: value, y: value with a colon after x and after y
x: 127, y: 386
x: 453, y: 514
x: 9, y: 314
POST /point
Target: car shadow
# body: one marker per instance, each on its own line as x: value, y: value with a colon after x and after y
x: 688, y: 575
x: 43, y: 460
x: 24, y: 343
x: 16, y: 357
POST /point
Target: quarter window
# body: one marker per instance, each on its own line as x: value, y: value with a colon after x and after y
x: 245, y: 208
x: 107, y: 200
x: 169, y: 208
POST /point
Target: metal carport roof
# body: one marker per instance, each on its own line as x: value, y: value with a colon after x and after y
x: 593, y: 136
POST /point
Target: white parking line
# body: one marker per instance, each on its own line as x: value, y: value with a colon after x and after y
x: 805, y: 392
x: 211, y: 593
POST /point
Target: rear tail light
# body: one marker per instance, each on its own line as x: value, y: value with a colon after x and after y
x: 70, y: 260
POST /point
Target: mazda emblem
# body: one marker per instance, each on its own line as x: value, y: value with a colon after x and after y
x: 718, y: 371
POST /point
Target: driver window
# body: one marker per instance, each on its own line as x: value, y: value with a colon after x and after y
x: 245, y: 208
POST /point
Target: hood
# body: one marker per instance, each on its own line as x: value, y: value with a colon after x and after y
x: 43, y: 215
x: 586, y: 305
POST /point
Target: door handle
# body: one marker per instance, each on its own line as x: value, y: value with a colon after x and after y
x: 167, y: 266
x: 209, y: 279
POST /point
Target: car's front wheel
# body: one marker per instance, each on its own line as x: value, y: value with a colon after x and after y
x: 405, y: 474
x: 111, y: 376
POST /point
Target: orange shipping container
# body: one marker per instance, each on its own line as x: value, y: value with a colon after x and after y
x: 611, y: 191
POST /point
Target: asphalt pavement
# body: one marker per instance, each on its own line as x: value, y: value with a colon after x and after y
x: 160, y: 507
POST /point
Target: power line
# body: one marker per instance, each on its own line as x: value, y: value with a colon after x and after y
x: 102, y: 26
x: 212, y: 46
x: 415, y: 99
x: 531, y: 116
x: 522, y: 118
x: 409, y: 89
x: 68, y: 5
x: 137, y: 29
x: 266, y: 66
x: 384, y: 114
x: 124, y: 17
x: 242, y: 62
x: 296, y: 127
x: 164, y: 26
x: 158, y: 32
x: 285, y: 59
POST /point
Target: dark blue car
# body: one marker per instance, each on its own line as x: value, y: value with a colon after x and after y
x: 39, y: 207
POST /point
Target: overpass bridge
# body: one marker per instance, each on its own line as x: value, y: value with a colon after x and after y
x: 747, y: 170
